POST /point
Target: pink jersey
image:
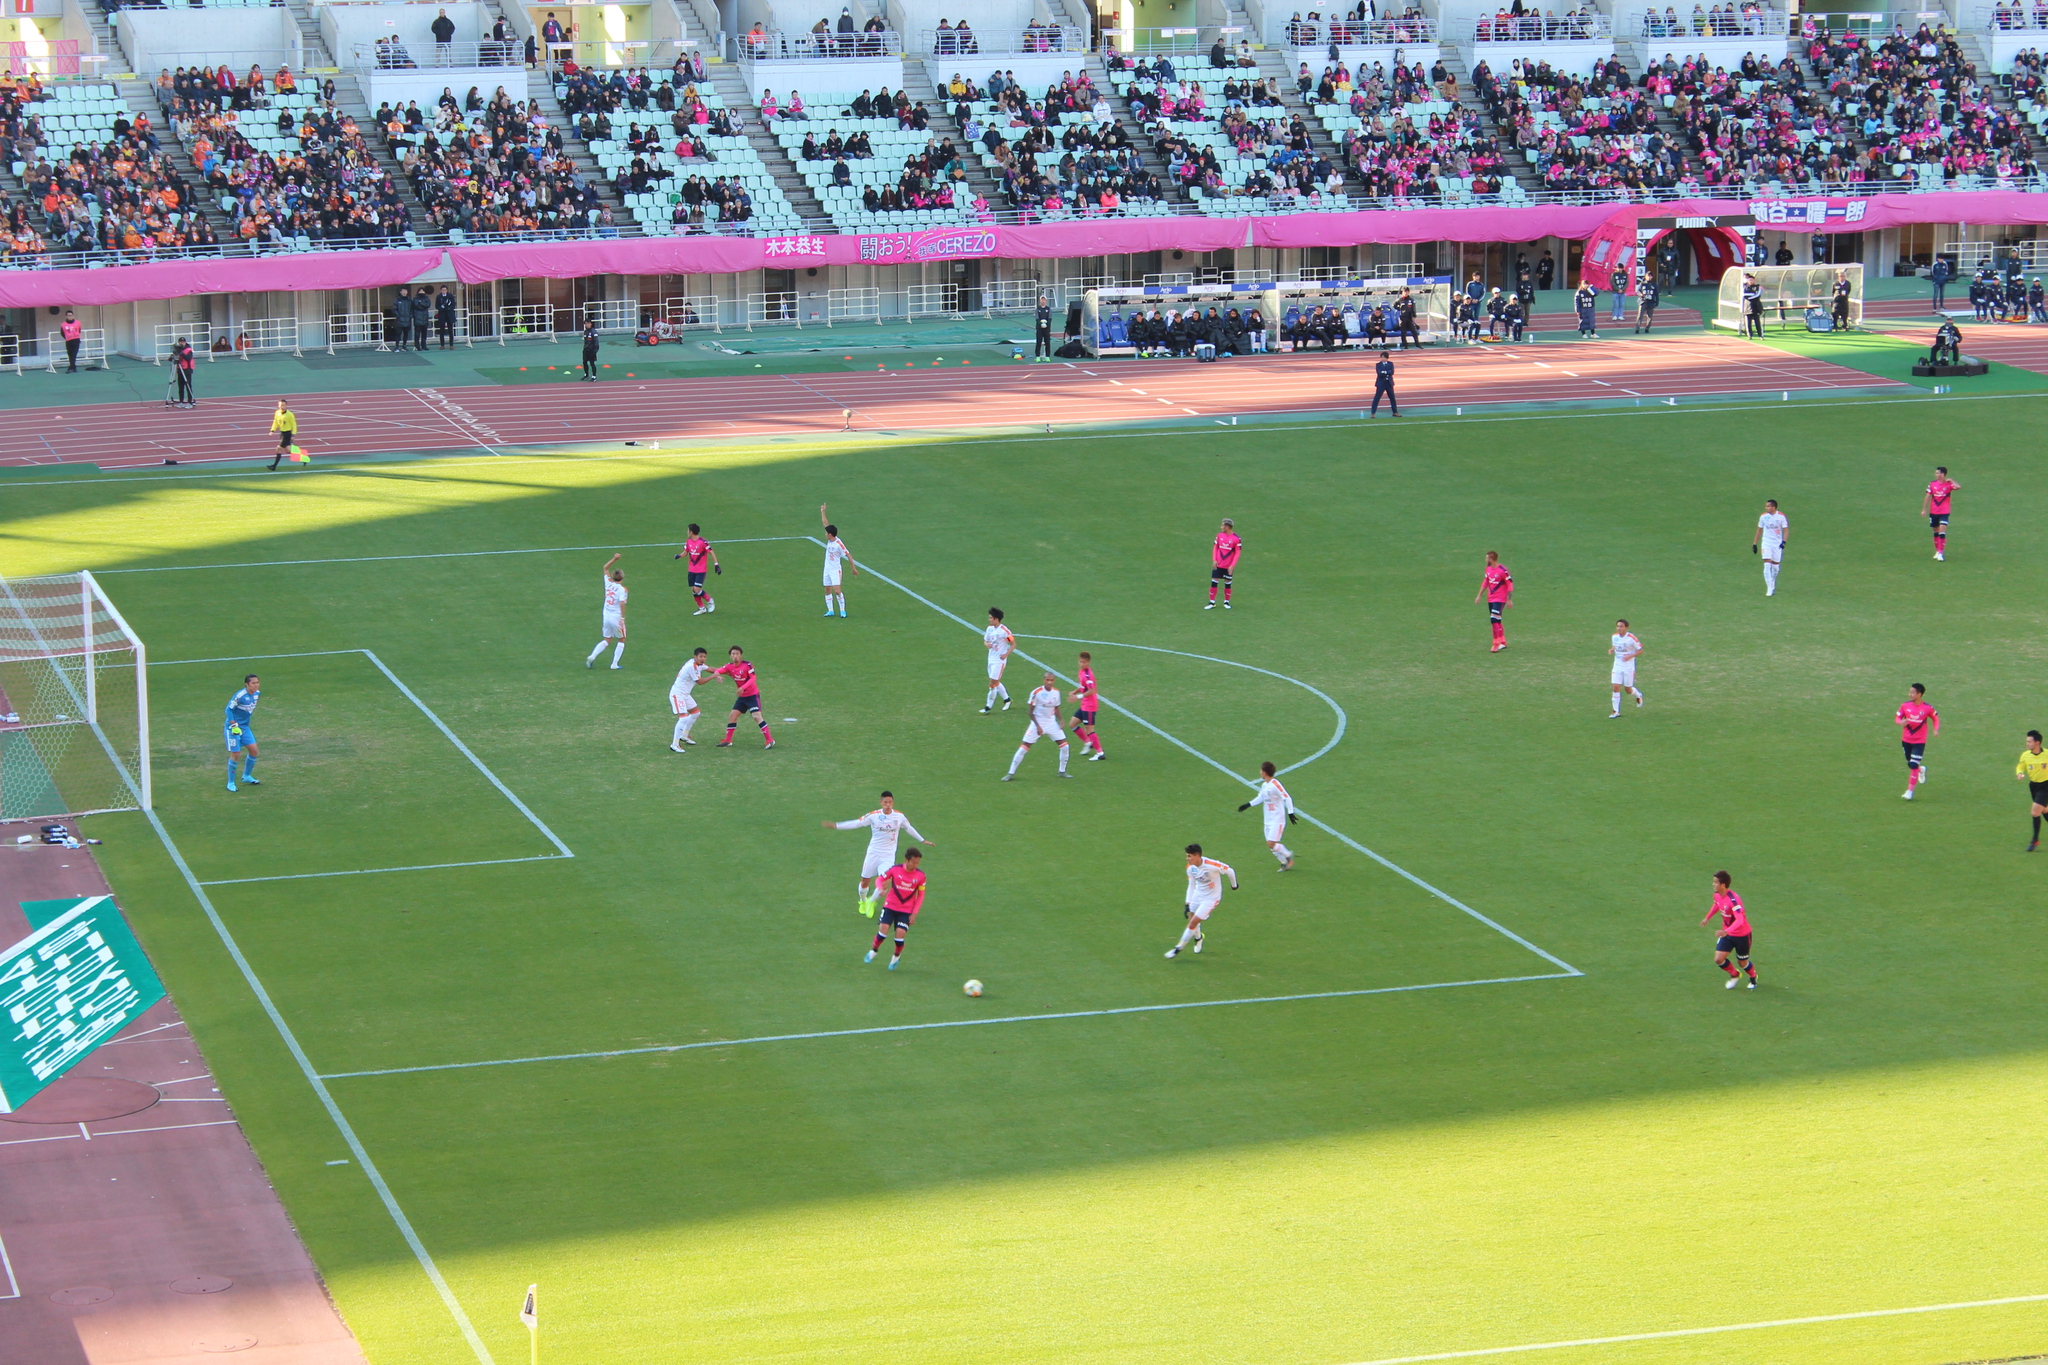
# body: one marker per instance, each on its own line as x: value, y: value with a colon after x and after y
x: 1228, y: 547
x: 1917, y: 721
x: 699, y: 551
x: 1938, y: 495
x: 903, y: 889
x: 1734, y: 919
x: 742, y: 674
x: 1084, y: 689
x: 1500, y: 584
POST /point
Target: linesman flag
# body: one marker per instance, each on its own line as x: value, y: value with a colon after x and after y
x: 529, y: 1311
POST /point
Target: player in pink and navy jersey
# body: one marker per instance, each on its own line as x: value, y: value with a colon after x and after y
x: 1497, y: 586
x: 1918, y: 722
x: 1735, y: 934
x: 1936, y: 506
x: 1223, y: 559
x: 1084, y: 708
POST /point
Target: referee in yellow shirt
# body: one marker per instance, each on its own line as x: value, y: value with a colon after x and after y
x: 2033, y: 769
x: 285, y: 423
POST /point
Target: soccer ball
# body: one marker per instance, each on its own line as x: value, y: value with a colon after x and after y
x: 972, y: 988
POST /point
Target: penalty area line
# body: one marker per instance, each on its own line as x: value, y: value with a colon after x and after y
x: 938, y: 1024
x: 1708, y: 1331
x: 367, y: 871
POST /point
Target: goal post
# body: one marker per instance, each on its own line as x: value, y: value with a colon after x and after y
x: 1789, y: 292
x: 74, y: 701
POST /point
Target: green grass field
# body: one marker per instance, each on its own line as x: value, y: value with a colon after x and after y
x: 1361, y: 1177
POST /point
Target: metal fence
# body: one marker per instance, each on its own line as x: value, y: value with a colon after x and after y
x: 10, y: 352
x: 2007, y: 19
x: 1361, y: 32
x: 226, y: 340
x: 1651, y: 26
x: 815, y: 47
x: 1016, y: 296
x: 926, y: 300
x: 1021, y: 42
x: 394, y: 54
x: 613, y: 315
x: 771, y: 308
x: 92, y: 349
x: 690, y: 311
x: 1973, y: 256
x: 853, y: 305
x: 1542, y: 28
x: 526, y: 320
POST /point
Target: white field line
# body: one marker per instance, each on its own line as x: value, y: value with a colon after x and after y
x: 446, y: 554
x: 938, y: 1024
x: 85, y: 1136
x: 562, y: 850
x: 1346, y: 839
x: 1708, y: 1331
x: 348, y: 1133
x: 7, y: 1268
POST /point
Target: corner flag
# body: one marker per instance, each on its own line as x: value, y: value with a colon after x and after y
x: 527, y: 1311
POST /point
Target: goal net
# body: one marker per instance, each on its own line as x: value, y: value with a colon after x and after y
x: 74, y: 701
x: 1789, y: 293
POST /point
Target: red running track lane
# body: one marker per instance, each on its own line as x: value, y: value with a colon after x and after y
x: 930, y: 398
x: 2024, y: 346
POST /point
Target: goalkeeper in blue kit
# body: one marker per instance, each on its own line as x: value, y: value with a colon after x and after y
x: 240, y: 732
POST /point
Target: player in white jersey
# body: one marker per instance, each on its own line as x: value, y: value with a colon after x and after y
x: 682, y: 697
x: 1205, y: 893
x: 1625, y: 648
x: 1044, y: 706
x: 999, y: 642
x: 1276, y: 807
x: 837, y: 559
x: 614, y: 614
x: 883, y: 827
x: 1772, y: 531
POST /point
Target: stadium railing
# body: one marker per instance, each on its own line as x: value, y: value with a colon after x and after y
x: 244, y: 339
x: 926, y: 300
x: 853, y: 305
x: 10, y: 352
x: 527, y: 320
x: 1651, y: 27
x: 1304, y: 33
x: 1539, y: 28
x: 2026, y: 18
x: 347, y: 330
x: 1006, y: 42
x: 388, y: 54
x: 92, y: 349
x: 688, y: 312
x: 818, y: 47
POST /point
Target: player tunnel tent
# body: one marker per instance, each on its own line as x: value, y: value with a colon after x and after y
x: 1719, y: 243
x: 1106, y: 313
x: 1795, y: 297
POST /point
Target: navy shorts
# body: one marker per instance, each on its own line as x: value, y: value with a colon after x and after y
x: 1737, y: 944
x: 896, y: 918
x: 1220, y: 575
x: 696, y: 578
x: 1915, y: 753
x: 1938, y: 520
x: 235, y: 741
x: 1494, y: 609
x: 1084, y: 718
x: 752, y: 703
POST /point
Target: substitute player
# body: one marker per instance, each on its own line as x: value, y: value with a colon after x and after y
x: 700, y: 554
x: 903, y: 896
x: 1205, y: 893
x: 1044, y: 706
x: 682, y: 697
x: 239, y: 729
x: 1223, y: 557
x: 1772, y: 531
x: 838, y: 559
x: 2033, y: 770
x: 1734, y: 938
x: 1918, y: 722
x: 1497, y: 587
x: 883, y: 826
x: 748, y: 698
x: 1000, y: 644
x: 614, y: 614
x: 1276, y: 807
x: 1936, y: 505
x: 1085, y: 702
x: 1625, y: 648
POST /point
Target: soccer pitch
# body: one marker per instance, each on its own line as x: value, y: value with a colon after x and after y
x: 1462, y: 1082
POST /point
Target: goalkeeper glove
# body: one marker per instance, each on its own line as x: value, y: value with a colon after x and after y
x: 1291, y: 818
x: 717, y: 567
x: 1246, y: 806
x: 1753, y: 548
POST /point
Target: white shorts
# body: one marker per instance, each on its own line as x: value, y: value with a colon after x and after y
x: 877, y: 861
x: 995, y: 666
x: 1774, y: 553
x: 1204, y: 910
x: 1050, y: 730
x: 1275, y: 828
x: 831, y: 578
x: 614, y: 625
x: 1623, y: 675
x: 682, y: 703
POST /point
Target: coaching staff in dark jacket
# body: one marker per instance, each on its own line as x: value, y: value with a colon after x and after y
x: 1383, y: 385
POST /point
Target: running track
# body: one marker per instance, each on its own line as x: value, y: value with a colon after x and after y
x: 375, y: 421
x: 2023, y: 346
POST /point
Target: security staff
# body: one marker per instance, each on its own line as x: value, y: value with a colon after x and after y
x: 1042, y: 349
x: 401, y: 319
x: 1584, y: 303
x: 1648, y: 295
x: 1840, y: 312
x: 1752, y: 307
x: 422, y: 318
x: 1404, y: 314
x: 1618, y: 282
x: 444, y: 318
x: 1383, y: 385
x: 590, y: 350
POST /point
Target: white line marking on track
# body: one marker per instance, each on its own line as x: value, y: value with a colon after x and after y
x: 183, y: 1080
x: 936, y: 1024
x: 1709, y: 1331
x: 7, y: 1268
x: 320, y: 1091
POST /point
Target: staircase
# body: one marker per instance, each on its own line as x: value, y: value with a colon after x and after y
x: 732, y: 89
x: 1514, y: 160
x: 918, y: 82
x: 540, y: 90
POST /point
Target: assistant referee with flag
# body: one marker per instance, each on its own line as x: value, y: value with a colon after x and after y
x: 285, y: 423
x: 2033, y: 770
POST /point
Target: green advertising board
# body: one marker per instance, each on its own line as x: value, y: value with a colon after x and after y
x: 74, y: 982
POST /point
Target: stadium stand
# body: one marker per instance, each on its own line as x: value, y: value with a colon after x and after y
x: 1405, y: 136
x: 875, y: 160
x: 1923, y: 113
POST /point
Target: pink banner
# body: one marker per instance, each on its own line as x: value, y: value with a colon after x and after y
x: 369, y: 269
